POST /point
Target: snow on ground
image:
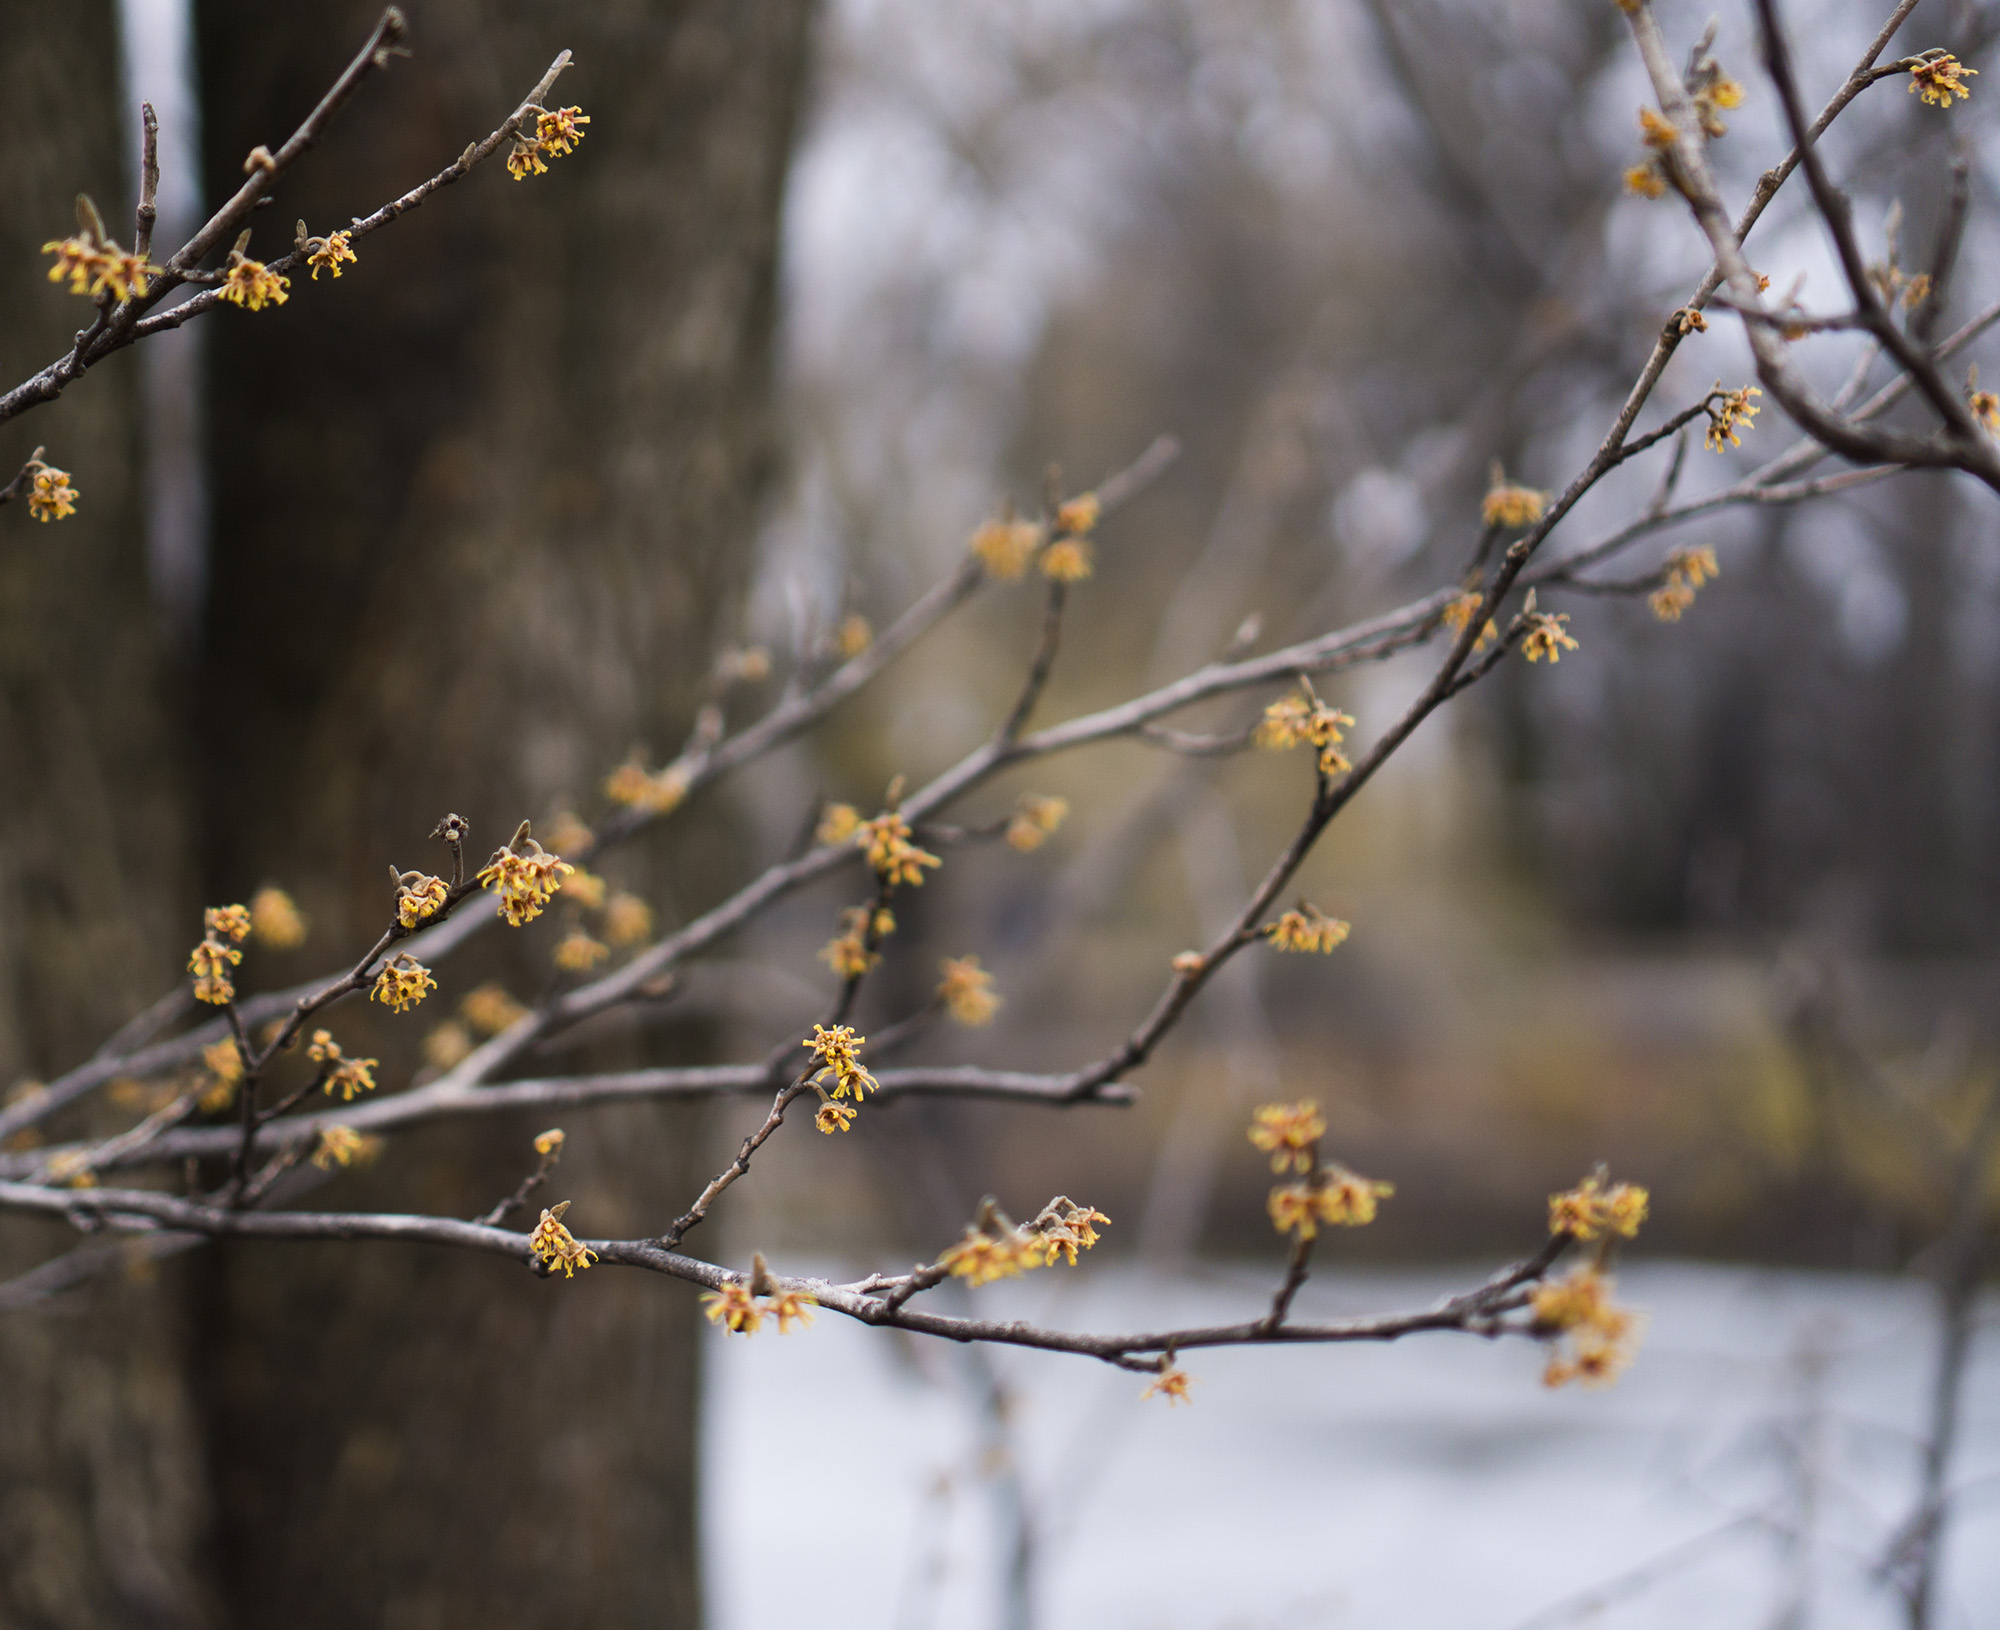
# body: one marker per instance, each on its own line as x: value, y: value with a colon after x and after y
x: 1757, y: 1457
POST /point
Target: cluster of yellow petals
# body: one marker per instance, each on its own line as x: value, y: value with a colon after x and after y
x: 1687, y: 570
x: 232, y: 923
x: 1034, y: 821
x: 995, y: 1248
x: 403, y: 982
x: 1714, y: 94
x: 524, y: 875
x: 853, y: 636
x: 653, y: 794
x: 1171, y: 1384
x: 1939, y: 77
x: 851, y: 952
x: 276, y: 920
x: 50, y: 495
x: 896, y: 859
x: 628, y: 920
x: 1332, y: 1196
x: 1545, y: 636
x: 343, y: 1146
x: 577, y: 952
x: 1287, y: 1133
x: 982, y: 1257
x: 418, y: 896
x: 1507, y: 504
x: 1064, y: 1227
x: 1307, y: 929
x: 1729, y: 414
x: 838, y: 1052
x: 557, y: 1246
x: 251, y: 284
x: 1593, y: 1340
x: 1006, y: 545
x: 347, y: 1076
x: 557, y: 132
x: 967, y: 992
x: 1292, y: 721
x: 1593, y: 1210
x: 329, y: 254
x: 741, y: 1313
x: 490, y: 1010
x: 225, y: 927
x: 742, y: 1305
x: 93, y: 268
x: 447, y: 1045
x: 225, y: 1067
x: 1462, y: 610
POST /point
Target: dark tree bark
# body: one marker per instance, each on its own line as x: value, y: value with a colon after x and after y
x: 484, y: 509
x: 101, y: 1482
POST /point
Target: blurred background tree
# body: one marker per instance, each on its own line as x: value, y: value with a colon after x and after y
x: 477, y: 531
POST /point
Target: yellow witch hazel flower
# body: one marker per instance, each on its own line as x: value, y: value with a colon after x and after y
x: 343, y: 1146
x: 1985, y: 405
x: 403, y: 982
x: 524, y: 875
x: 998, y: 1251
x: 93, y: 267
x: 1287, y: 1133
x: 848, y: 954
x: 628, y: 920
x: 742, y: 1305
x: 1068, y: 560
x: 251, y: 284
x: 51, y: 497
x: 838, y: 1052
x: 1729, y: 413
x: 1308, y: 929
x: 275, y: 920
x: 560, y: 129
x: 895, y: 858
x: 1508, y: 504
x: 347, y: 1075
x: 327, y: 254
x: 1686, y: 571
x: 490, y: 1010
x: 1334, y: 1197
x: 1592, y: 1339
x: 1006, y: 545
x: 735, y: 1309
x: 1035, y: 819
x: 838, y: 824
x: 1462, y: 610
x: 577, y: 952
x: 1305, y: 719
x: 417, y: 896
x: 967, y: 992
x: 210, y: 964
x: 1171, y: 1384
x: 1064, y: 1226
x: 660, y: 794
x: 557, y: 1246
x: 1936, y: 78
x: 1544, y: 636
x: 1592, y: 1209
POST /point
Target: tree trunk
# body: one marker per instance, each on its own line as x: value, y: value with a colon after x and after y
x: 102, y: 1499
x: 484, y: 509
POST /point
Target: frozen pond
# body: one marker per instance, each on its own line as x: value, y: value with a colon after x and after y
x: 1748, y: 1471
